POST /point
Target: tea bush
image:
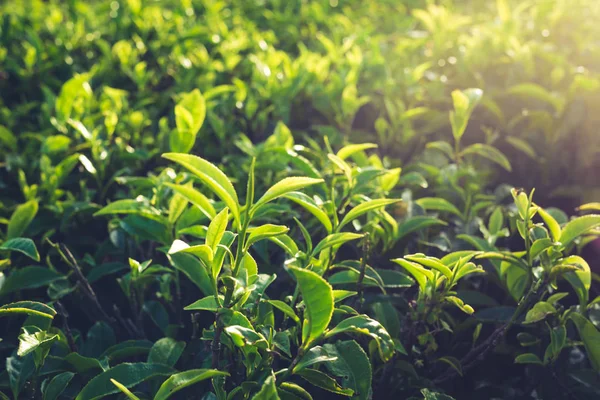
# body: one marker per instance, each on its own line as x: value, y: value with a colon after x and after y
x: 296, y: 200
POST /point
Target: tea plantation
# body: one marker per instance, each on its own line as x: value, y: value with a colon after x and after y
x: 299, y: 199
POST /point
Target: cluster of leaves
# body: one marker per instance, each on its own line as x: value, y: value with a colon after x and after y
x: 364, y: 271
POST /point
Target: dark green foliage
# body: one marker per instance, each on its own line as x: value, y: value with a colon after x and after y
x: 296, y: 200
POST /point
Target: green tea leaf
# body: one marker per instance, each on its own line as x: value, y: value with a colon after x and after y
x: 21, y: 218
x: 352, y: 365
x: 364, y: 325
x: 128, y: 207
x: 194, y: 270
x: 125, y: 391
x: 268, y: 391
x: 19, y: 370
x: 323, y: 381
x: 416, y: 224
x: 285, y: 308
x: 342, y: 165
x: 207, y: 304
x: 312, y: 207
x: 265, y: 232
x: 286, y: 243
x: 350, y: 149
x: 128, y: 374
x: 432, y: 263
x: 57, y: 385
x: 464, y: 103
x: 590, y: 337
x: 194, y: 197
x: 189, y: 117
x: 539, y: 312
x: 212, y: 176
x: 581, y: 279
x: 551, y: 223
x: 438, y: 204
x: 453, y: 362
x: 28, y: 307
x: 30, y: 340
x: 335, y: 239
x: 283, y: 187
x: 216, y: 229
x: 532, y: 90
x: 8, y: 138
x: 488, y: 152
x: 318, y: 298
x: 521, y: 145
x: 528, y: 358
x: 315, y: 355
x: 577, y: 227
x: 589, y: 207
x: 421, y: 275
x: 364, y: 208
x: 166, y: 351
x: 22, y: 245
x: 182, y: 380
x: 296, y: 391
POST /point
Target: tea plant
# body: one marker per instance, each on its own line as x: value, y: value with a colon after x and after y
x: 334, y: 211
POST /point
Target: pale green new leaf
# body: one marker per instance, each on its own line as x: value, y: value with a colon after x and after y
x: 189, y: 117
x: 216, y: 229
x: 438, y: 204
x: 335, y: 239
x: 488, y: 152
x: 350, y: 149
x: 551, y: 223
x: 21, y: 218
x: 194, y: 197
x: 283, y: 187
x: 264, y: 232
x: 312, y: 207
x: 123, y: 389
x: 577, y: 227
x: 464, y: 103
x: 420, y: 274
x: 364, y: 208
x: 580, y: 279
x: 212, y: 176
x: 343, y: 165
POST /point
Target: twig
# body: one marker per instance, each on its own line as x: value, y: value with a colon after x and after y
x: 85, y: 284
x: 216, y: 343
x: 478, y: 353
x: 363, y: 267
x: 65, y: 316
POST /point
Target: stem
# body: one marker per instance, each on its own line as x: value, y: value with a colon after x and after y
x: 85, y: 284
x: 295, y: 362
x: 216, y: 343
x: 241, y: 242
x: 363, y: 267
x: 478, y: 353
x: 65, y: 315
